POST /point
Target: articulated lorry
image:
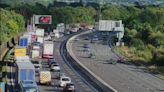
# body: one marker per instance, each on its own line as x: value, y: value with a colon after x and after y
x: 25, y: 70
x: 25, y: 75
x: 48, y: 49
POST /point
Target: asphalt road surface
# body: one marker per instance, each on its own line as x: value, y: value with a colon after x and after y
x: 122, y: 77
x: 80, y: 85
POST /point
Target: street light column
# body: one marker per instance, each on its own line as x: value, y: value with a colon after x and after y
x: 101, y: 3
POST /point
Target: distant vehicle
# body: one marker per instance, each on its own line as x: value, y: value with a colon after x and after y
x: 40, y: 32
x: 87, y: 50
x: 85, y: 46
x: 47, y: 38
x: 112, y: 61
x: 48, y: 49
x: 24, y: 71
x: 40, y: 39
x: 36, y: 49
x: 45, y: 77
x: 55, y: 67
x: 95, y: 36
x: 121, y: 60
x: 70, y: 87
x: 64, y: 80
x: 95, y: 39
x: 37, y: 65
x: 62, y: 74
x: 51, y: 61
x: 23, y: 42
x: 91, y: 55
x: 60, y: 27
x: 28, y: 86
x: 20, y: 51
x: 76, y: 39
x: 86, y: 38
x: 36, y: 53
x: 36, y: 45
x: 67, y: 32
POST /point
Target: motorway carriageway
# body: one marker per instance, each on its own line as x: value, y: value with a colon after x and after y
x: 122, y: 77
x: 80, y: 84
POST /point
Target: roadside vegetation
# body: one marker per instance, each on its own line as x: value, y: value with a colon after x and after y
x: 144, y: 26
x: 144, y: 33
x: 11, y: 25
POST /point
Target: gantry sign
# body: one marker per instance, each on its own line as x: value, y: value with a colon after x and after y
x: 42, y: 19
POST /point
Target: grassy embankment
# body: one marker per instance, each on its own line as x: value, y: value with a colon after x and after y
x: 149, y: 56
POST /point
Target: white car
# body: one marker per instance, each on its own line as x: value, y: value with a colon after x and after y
x: 55, y: 67
x: 64, y: 80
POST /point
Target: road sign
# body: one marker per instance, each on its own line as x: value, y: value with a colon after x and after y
x: 42, y: 19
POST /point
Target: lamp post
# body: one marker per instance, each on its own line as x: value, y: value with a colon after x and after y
x: 101, y: 3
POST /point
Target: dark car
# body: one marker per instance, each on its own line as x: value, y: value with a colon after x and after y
x: 112, y: 61
x: 91, y: 55
x: 121, y: 60
x: 86, y: 38
x: 37, y: 65
x: 36, y: 44
x: 69, y: 88
x: 85, y: 46
x: 51, y: 61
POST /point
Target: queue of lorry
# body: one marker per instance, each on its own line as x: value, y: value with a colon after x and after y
x: 33, y: 47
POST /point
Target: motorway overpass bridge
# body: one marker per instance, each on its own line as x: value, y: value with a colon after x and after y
x: 109, y: 29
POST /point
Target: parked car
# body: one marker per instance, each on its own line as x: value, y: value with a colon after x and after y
x: 55, y: 67
x: 70, y: 87
x: 64, y: 80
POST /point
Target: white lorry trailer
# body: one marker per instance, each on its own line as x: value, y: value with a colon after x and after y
x: 48, y: 49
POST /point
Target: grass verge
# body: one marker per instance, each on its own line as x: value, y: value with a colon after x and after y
x: 139, y: 57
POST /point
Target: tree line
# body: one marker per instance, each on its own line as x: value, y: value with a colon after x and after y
x: 144, y: 26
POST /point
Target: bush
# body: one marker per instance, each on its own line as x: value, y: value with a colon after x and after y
x: 158, y: 57
x: 137, y: 43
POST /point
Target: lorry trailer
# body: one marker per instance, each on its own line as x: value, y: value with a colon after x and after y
x: 48, y: 49
x: 24, y: 71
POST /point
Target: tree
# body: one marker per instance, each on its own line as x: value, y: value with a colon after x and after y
x: 129, y: 35
x: 145, y: 33
x: 11, y: 25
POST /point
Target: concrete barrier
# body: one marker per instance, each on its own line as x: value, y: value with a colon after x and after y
x: 106, y: 87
